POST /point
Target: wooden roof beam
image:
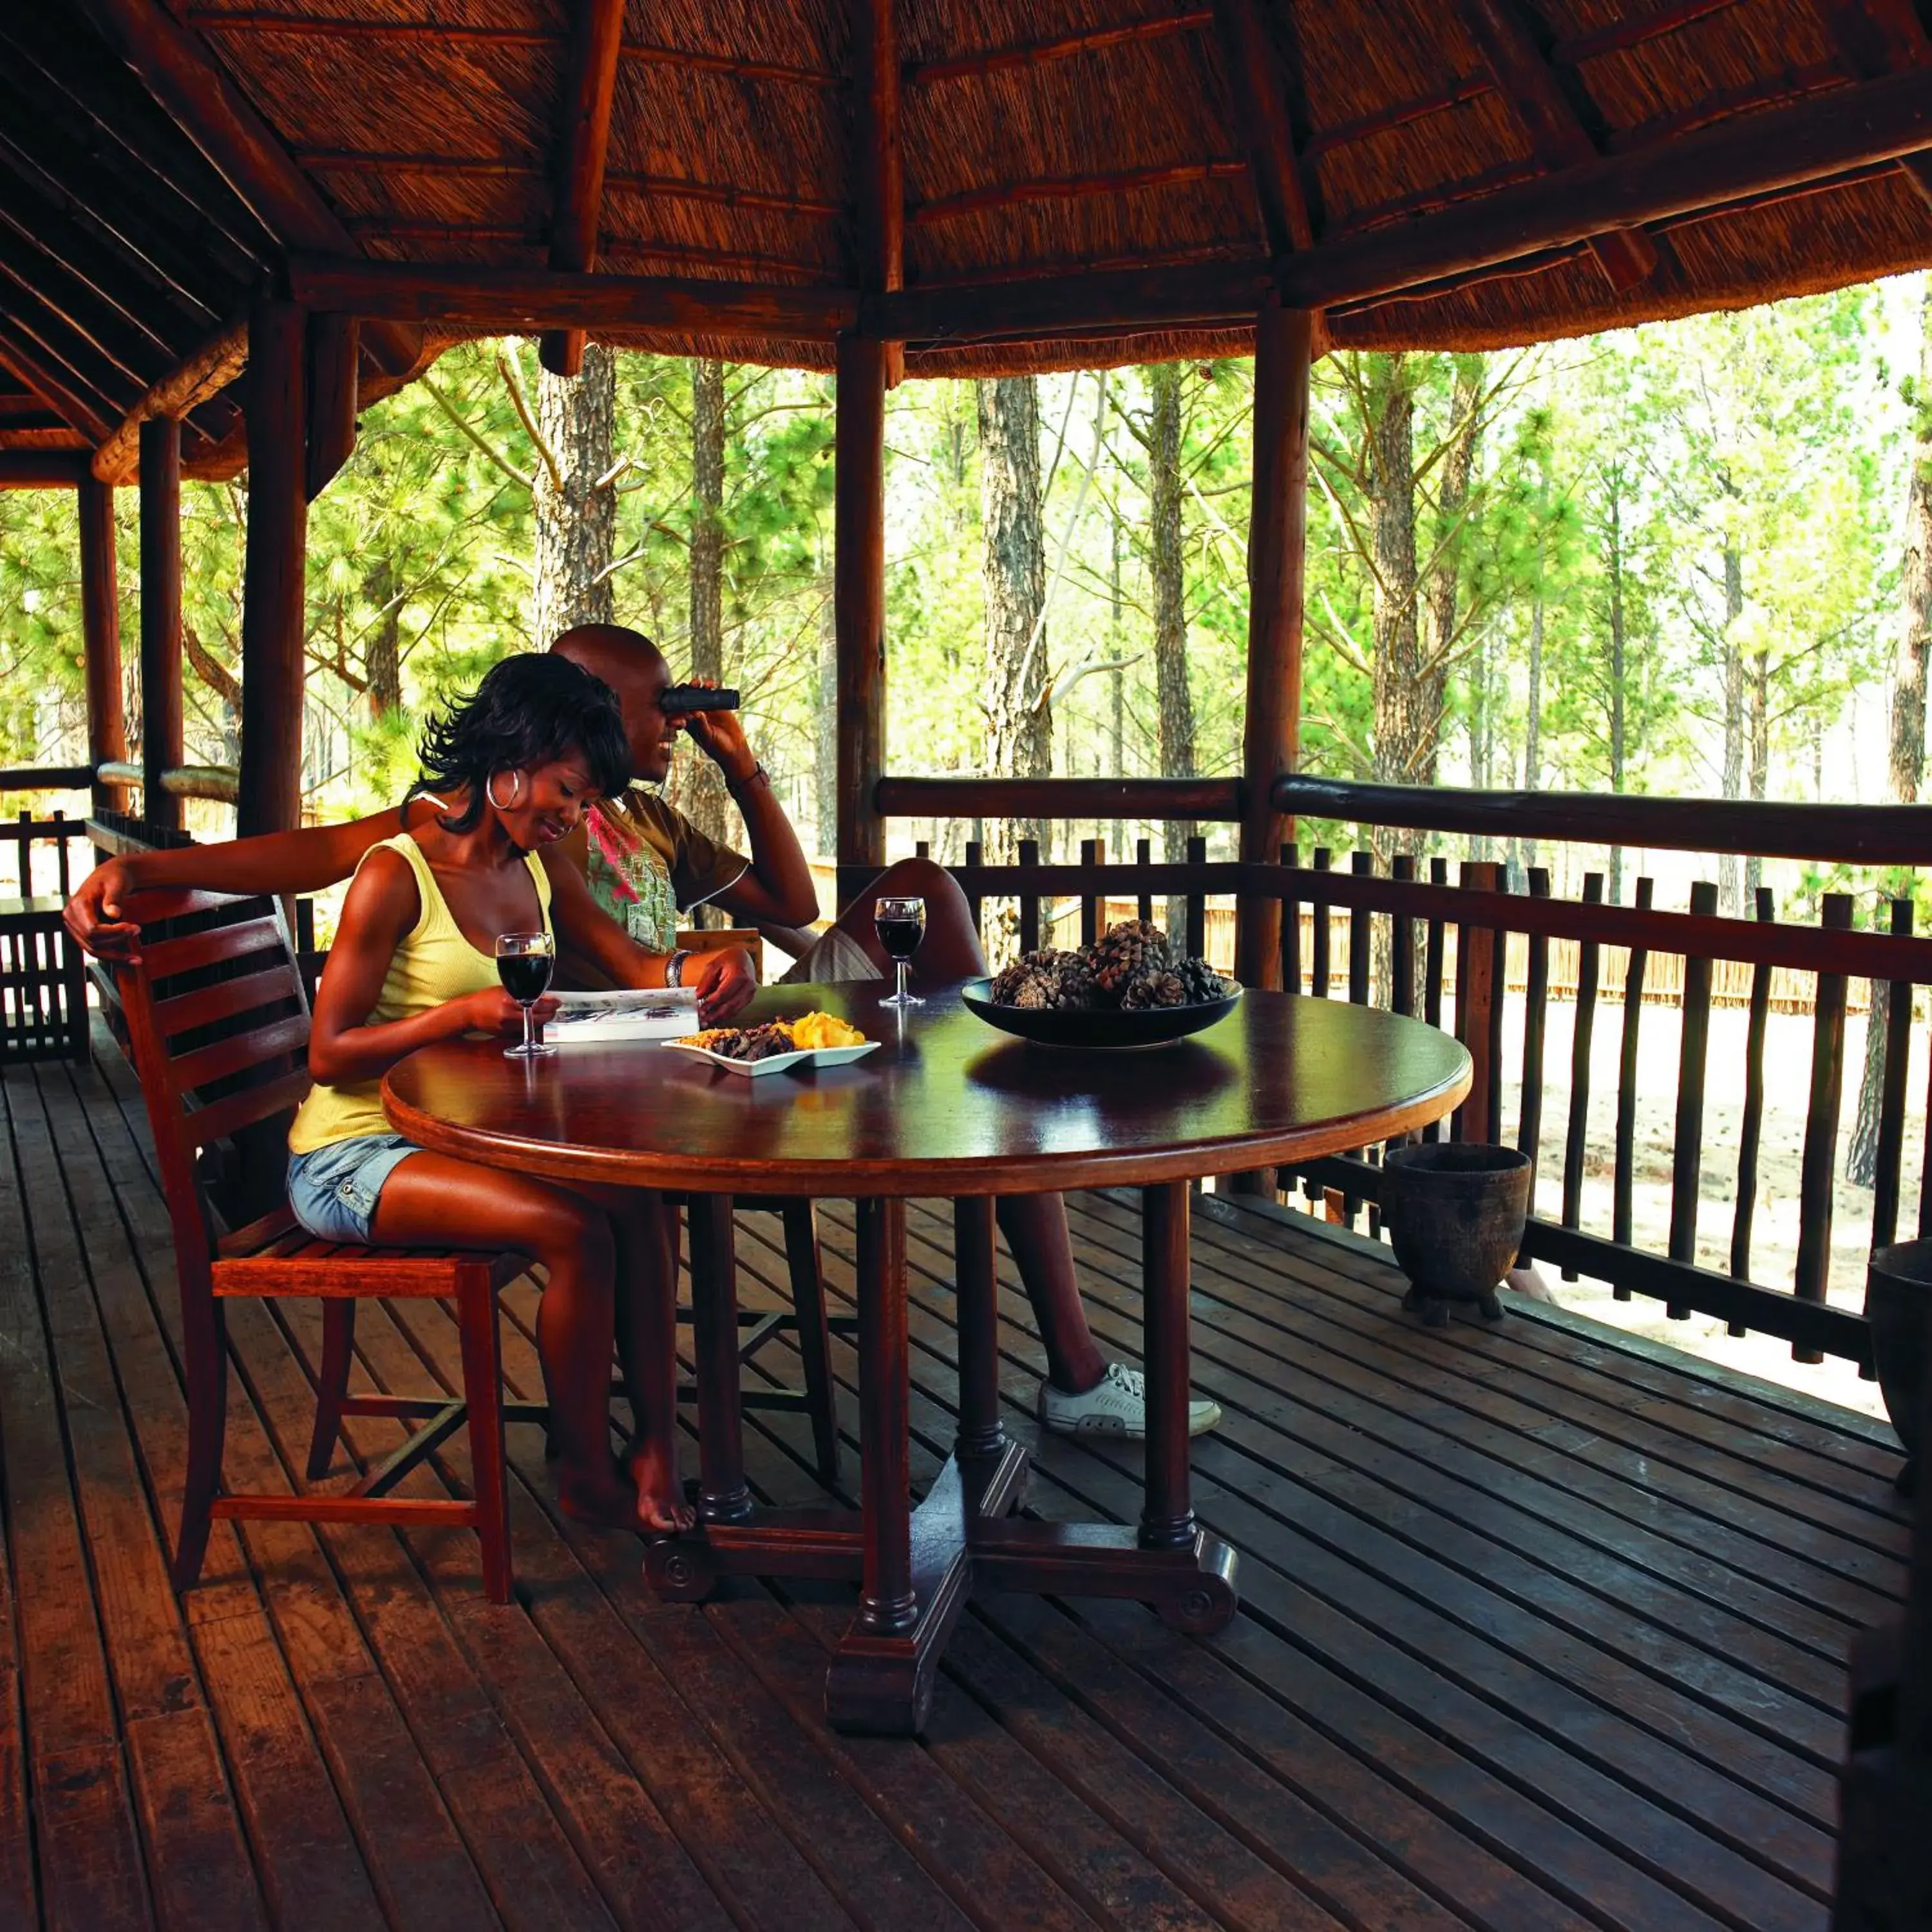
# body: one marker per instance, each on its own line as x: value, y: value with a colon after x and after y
x: 1062, y: 46
x: 41, y: 469
x: 1557, y: 135
x: 582, y: 149
x: 1670, y: 18
x: 1782, y: 149
x: 78, y: 405
x: 527, y: 301
x: 879, y: 214
x: 210, y: 109
x: 197, y: 378
x: 1417, y: 107
x: 1879, y: 36
x: 1267, y: 126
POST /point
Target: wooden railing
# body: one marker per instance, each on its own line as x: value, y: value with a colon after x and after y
x: 1417, y: 939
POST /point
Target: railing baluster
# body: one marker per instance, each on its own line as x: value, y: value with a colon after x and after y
x: 1029, y: 855
x: 1535, y: 1019
x: 1886, y: 1182
x: 1492, y: 1126
x: 1750, y: 1130
x: 1197, y: 902
x: 922, y: 848
x: 1318, y: 947
x: 1291, y: 925
x: 1819, y: 1168
x: 1588, y: 959
x: 1687, y: 1165
x: 1401, y: 942
x: 1361, y: 927
x: 1143, y: 856
x: 1622, y: 1217
x: 975, y: 905
x: 1431, y: 973
x: 1093, y: 852
x: 1475, y: 1002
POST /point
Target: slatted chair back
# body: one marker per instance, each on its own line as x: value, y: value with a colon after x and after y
x: 43, y: 977
x: 25, y: 832
x: 218, y: 1022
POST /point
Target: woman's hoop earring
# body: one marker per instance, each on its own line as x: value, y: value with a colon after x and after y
x: 516, y: 791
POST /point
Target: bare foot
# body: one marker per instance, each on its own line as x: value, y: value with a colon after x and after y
x: 659, y: 1500
x: 605, y: 1499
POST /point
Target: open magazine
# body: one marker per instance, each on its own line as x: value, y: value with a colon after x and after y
x: 594, y: 1019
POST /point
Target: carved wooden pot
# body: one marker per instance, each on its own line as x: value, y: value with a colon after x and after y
x: 1455, y: 1211
x: 1898, y: 1292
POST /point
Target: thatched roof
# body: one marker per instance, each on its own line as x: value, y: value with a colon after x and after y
x: 1039, y: 142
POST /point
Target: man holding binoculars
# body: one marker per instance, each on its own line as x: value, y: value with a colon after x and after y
x: 643, y: 863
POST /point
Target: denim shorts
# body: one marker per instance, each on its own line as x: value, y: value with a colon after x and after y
x: 333, y: 1189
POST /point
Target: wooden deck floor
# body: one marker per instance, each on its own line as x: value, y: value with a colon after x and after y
x: 1541, y: 1630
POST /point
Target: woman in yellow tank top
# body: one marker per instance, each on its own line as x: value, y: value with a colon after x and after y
x: 514, y: 768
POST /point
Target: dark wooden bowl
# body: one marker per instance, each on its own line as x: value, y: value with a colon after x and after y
x: 1102, y: 1030
x: 1455, y: 1211
x: 1898, y: 1297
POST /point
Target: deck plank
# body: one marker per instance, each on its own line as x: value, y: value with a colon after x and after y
x: 1541, y: 1629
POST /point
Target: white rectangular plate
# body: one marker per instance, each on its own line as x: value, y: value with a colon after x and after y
x: 842, y: 1056
x: 776, y: 1063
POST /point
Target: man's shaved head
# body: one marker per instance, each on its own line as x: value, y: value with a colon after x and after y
x: 634, y: 668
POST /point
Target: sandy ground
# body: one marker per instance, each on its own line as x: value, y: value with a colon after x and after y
x: 1775, y: 1225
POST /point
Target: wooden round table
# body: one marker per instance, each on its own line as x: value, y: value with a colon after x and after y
x: 947, y: 1106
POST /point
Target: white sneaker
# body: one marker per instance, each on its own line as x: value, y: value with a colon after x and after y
x: 1115, y: 1405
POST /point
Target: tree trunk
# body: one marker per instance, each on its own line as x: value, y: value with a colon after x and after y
x: 705, y: 798
x: 1532, y: 730
x: 1728, y: 875
x: 1905, y: 763
x: 1481, y: 731
x: 382, y: 661
x: 1619, y: 673
x: 1019, y: 722
x: 1458, y: 465
x: 1117, y: 678
x: 1174, y: 702
x: 576, y: 507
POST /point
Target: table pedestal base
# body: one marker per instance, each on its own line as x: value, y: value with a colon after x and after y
x: 916, y: 1569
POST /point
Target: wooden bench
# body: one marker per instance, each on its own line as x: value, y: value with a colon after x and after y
x: 43, y: 974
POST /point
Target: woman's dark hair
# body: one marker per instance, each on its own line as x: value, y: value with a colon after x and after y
x: 528, y: 710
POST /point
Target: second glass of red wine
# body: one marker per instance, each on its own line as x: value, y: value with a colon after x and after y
x: 901, y: 925
x: 524, y: 963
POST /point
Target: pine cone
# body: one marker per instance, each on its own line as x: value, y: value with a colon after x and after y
x: 1200, y: 982
x: 1127, y: 950
x: 1045, y: 979
x: 1157, y: 987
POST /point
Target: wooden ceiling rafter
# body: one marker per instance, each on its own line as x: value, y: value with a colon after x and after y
x: 879, y: 214
x: 1623, y: 35
x: 1075, y: 188
x: 1061, y: 46
x: 1426, y: 201
x: 1778, y: 90
x: 437, y: 34
x: 1881, y: 37
x: 1417, y: 107
x: 199, y: 377
x: 583, y: 146
x: 92, y: 415
x: 1784, y: 149
x: 446, y: 234
x: 210, y: 109
x: 1267, y: 126
x: 1550, y: 121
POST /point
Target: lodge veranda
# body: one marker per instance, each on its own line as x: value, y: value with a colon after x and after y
x: 1540, y: 1625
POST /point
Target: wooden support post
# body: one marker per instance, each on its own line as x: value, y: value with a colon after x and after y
x: 270, y: 797
x: 334, y: 348
x: 858, y: 607
x: 161, y: 748
x: 1277, y: 531
x: 100, y: 628
x: 582, y: 146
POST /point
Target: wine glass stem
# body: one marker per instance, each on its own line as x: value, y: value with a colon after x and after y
x: 899, y: 969
x: 530, y: 1041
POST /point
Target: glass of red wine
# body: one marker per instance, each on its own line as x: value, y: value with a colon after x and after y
x: 901, y: 925
x: 524, y: 963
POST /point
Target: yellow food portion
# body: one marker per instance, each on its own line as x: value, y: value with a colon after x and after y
x: 823, y: 1030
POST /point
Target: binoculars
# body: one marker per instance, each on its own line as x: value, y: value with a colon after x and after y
x: 680, y: 700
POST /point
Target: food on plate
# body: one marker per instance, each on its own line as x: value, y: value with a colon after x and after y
x: 1132, y: 967
x: 817, y: 1029
x: 808, y: 1031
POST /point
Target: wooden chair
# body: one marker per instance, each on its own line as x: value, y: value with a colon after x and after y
x: 42, y: 975
x: 219, y: 1025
